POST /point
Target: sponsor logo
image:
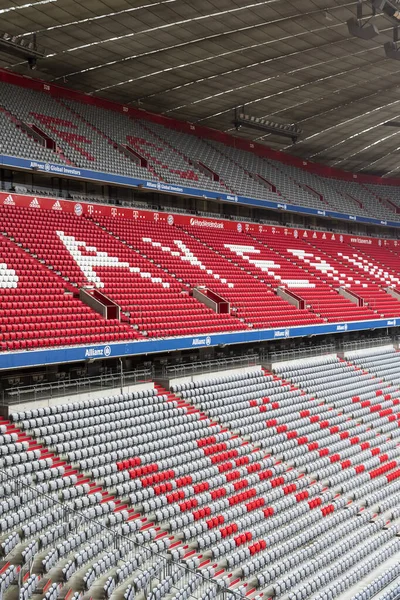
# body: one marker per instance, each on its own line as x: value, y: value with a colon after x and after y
x: 57, y: 206
x: 239, y: 227
x: 341, y: 238
x: 321, y: 213
x: 50, y: 168
x: 34, y: 203
x: 170, y: 219
x: 295, y: 233
x: 166, y: 187
x: 392, y: 323
x: 323, y: 236
x: 113, y: 212
x: 260, y: 228
x: 305, y: 234
x: 282, y: 333
x: 90, y: 209
x: 383, y: 222
x: 9, y: 201
x: 379, y: 242
x: 202, y: 223
x: 314, y: 235
x: 361, y: 241
x: 333, y: 237
x: 283, y: 206
x: 156, y: 217
x: 97, y: 352
x: 78, y: 209
x: 202, y: 341
x: 352, y: 218
x: 135, y: 214
x: 341, y: 327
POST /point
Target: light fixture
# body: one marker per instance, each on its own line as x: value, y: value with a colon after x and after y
x: 242, y: 119
x: 392, y: 49
x: 389, y: 8
x: 22, y: 48
x: 362, y: 29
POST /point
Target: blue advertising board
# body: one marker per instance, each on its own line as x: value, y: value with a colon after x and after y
x: 30, y: 358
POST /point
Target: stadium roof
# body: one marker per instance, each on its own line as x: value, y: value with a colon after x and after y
x: 196, y: 60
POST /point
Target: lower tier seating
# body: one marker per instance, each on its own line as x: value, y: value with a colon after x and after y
x: 261, y: 484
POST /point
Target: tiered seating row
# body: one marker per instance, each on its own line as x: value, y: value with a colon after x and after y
x: 91, y: 137
x: 272, y: 484
x: 151, y: 269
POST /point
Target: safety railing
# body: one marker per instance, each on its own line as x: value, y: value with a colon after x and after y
x: 367, y: 343
x: 210, y: 366
x: 62, y: 388
x: 295, y: 353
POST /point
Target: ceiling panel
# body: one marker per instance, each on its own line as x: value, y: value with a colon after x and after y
x: 292, y: 60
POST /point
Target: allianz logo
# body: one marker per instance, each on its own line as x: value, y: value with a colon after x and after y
x: 201, y: 341
x: 392, y: 323
x: 282, y: 333
x: 341, y: 327
x: 97, y: 352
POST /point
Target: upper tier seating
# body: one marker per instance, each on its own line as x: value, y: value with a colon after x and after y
x: 273, y: 484
x: 81, y: 144
x: 236, y: 176
x: 369, y: 200
x: 334, y: 199
x: 165, y: 162
x: 388, y: 194
x: 15, y: 142
x: 289, y: 189
x: 92, y: 137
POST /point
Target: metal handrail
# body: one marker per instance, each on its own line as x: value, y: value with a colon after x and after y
x: 208, y: 366
x: 49, y: 390
x: 370, y: 343
x: 292, y: 354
